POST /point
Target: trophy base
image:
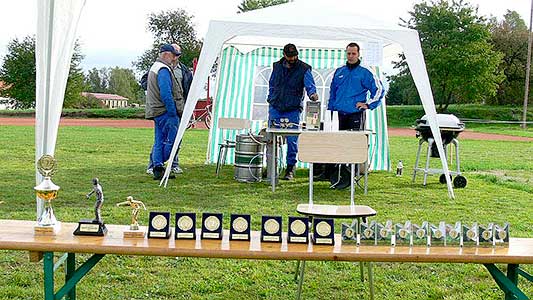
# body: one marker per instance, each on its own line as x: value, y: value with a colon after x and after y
x: 134, y: 234
x: 47, y: 230
x: 90, y: 228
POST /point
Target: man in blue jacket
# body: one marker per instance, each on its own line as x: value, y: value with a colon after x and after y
x: 354, y: 89
x: 285, y: 95
x: 164, y: 105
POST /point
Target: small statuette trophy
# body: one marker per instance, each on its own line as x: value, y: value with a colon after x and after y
x: 486, y: 235
x: 349, y: 232
x: 384, y: 233
x: 47, y: 191
x: 470, y: 235
x: 501, y: 235
x: 454, y: 234
x: 367, y: 234
x: 135, y: 205
x: 95, y: 227
x: 403, y: 235
x: 437, y: 234
x: 421, y: 234
x: 399, y: 168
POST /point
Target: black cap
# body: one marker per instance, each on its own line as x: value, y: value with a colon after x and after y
x: 290, y: 50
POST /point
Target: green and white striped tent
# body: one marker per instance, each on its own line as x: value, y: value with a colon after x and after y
x: 242, y: 88
x: 326, y: 22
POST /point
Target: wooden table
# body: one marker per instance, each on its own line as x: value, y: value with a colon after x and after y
x: 19, y: 235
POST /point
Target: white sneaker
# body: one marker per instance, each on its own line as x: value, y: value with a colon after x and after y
x: 150, y: 171
x: 176, y: 170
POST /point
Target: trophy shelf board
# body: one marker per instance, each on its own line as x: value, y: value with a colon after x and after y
x: 336, y: 211
x: 19, y: 235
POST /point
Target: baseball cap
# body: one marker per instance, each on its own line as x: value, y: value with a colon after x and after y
x: 290, y: 50
x: 169, y: 48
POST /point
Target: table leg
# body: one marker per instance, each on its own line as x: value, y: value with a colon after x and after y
x: 297, y: 270
x: 48, y: 264
x: 300, y: 282
x: 508, y: 283
x: 274, y: 164
x: 71, y: 268
x: 371, y: 280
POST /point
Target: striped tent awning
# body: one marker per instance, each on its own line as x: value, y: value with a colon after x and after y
x: 242, y: 88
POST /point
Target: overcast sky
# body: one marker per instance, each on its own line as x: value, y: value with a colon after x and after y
x: 113, y: 32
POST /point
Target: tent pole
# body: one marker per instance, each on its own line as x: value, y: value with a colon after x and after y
x: 528, y: 68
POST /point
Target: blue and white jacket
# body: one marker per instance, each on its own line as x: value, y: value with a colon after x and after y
x: 352, y: 85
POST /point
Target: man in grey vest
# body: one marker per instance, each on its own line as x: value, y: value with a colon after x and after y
x: 184, y: 77
x: 164, y: 105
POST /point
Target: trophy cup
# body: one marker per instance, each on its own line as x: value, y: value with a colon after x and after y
x: 421, y: 234
x: 437, y: 234
x: 94, y: 227
x: 453, y: 234
x: 349, y: 232
x: 501, y: 235
x: 384, y: 233
x: 403, y: 234
x: 486, y: 235
x: 135, y: 205
x: 47, y: 191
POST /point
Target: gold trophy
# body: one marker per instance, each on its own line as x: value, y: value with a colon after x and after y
x: 135, y: 205
x: 47, y: 191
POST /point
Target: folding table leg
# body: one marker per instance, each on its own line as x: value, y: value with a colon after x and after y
x: 300, y: 282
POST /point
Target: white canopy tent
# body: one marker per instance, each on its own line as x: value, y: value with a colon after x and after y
x: 57, y: 21
x: 327, y: 21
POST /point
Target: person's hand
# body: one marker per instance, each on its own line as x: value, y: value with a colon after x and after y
x: 361, y: 105
x: 314, y: 97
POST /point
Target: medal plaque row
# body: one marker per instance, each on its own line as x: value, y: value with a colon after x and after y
x: 240, y: 228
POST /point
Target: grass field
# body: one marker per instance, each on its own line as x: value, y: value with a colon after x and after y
x: 500, y: 189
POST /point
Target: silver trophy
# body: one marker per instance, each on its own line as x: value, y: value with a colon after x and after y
x: 47, y: 190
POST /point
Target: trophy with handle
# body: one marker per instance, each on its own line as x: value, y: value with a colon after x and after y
x: 47, y: 191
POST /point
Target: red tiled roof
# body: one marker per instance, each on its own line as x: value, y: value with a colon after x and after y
x: 3, y: 85
x: 101, y: 96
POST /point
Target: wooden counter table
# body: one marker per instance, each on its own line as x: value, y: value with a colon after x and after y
x: 19, y: 235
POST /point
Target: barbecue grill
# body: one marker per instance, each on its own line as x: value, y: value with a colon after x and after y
x: 450, y: 127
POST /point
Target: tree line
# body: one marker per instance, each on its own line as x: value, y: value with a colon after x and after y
x: 469, y: 58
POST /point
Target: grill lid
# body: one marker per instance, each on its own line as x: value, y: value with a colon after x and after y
x: 445, y: 122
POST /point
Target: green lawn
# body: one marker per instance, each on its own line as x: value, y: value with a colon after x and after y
x: 499, y: 189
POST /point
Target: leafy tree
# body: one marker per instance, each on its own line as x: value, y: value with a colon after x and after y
x: 170, y: 27
x: 123, y: 82
x: 19, y: 74
x: 97, y: 80
x: 509, y: 36
x: 247, y: 5
x: 461, y: 62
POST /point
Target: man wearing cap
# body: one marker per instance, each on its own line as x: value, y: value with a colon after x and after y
x: 164, y: 105
x: 285, y: 95
x: 354, y: 89
x: 184, y: 77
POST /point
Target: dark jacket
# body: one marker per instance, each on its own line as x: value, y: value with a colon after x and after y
x: 286, y: 85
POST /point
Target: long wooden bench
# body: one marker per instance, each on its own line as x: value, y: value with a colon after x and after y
x: 19, y: 235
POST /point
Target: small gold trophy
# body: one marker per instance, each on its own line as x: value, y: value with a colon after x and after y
x: 47, y: 191
x: 135, y: 205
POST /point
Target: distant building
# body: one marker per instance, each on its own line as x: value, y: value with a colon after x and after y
x: 108, y: 100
